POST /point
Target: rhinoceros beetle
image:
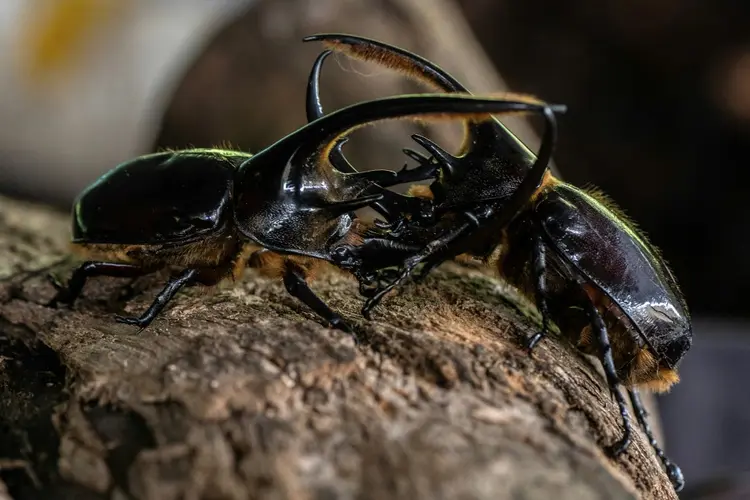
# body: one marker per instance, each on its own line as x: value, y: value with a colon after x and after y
x: 584, y: 264
x: 209, y: 212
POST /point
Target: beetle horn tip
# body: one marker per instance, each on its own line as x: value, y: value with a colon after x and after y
x: 441, y: 155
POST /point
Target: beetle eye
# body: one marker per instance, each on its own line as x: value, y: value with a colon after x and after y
x: 676, y: 349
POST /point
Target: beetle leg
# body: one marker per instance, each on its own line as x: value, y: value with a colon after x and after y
x: 608, y: 364
x: 296, y: 285
x: 412, y: 262
x: 673, y: 471
x: 538, y: 267
x: 168, y: 292
x: 68, y: 294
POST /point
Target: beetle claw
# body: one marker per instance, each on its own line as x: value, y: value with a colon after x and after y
x: 675, y: 476
x: 532, y: 341
x: 342, y: 325
x: 131, y: 320
x: 619, y: 447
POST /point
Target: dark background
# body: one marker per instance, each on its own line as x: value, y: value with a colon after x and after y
x: 658, y: 93
x: 659, y: 100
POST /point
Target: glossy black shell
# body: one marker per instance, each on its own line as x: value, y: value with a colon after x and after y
x: 492, y: 169
x: 167, y: 197
x: 173, y: 198
x: 292, y: 209
x: 612, y: 256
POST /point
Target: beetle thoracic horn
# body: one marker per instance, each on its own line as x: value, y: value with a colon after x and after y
x: 318, y: 137
x: 390, y: 56
x: 314, y: 109
x: 481, y: 132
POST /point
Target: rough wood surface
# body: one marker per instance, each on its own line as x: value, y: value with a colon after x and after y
x: 241, y: 393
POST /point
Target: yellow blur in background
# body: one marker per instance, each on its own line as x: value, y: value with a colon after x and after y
x: 54, y: 34
x: 84, y: 83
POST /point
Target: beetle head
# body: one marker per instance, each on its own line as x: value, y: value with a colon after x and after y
x: 492, y: 162
x: 289, y: 197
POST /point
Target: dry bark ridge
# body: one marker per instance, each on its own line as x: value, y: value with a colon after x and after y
x: 241, y: 393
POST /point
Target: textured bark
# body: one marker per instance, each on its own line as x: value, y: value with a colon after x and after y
x: 241, y: 393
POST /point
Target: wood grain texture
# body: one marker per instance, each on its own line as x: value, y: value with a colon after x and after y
x: 240, y: 393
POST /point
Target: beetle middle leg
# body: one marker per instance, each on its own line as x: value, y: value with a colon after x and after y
x: 294, y: 281
x: 67, y: 294
x: 605, y: 352
x: 173, y: 286
x: 673, y: 471
x: 437, y: 245
x: 538, y: 270
x: 294, y: 275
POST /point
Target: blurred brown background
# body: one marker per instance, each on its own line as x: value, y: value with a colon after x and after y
x: 659, y: 112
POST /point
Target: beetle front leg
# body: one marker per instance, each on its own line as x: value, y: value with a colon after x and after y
x: 673, y: 471
x: 412, y: 262
x: 294, y: 281
x: 69, y: 293
x: 173, y: 286
x: 538, y: 269
x: 608, y: 363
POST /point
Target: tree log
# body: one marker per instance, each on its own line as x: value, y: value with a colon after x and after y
x: 241, y: 393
